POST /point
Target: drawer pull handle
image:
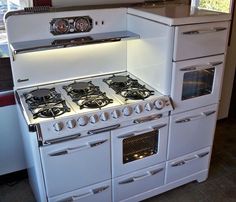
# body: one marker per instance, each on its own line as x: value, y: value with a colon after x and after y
x: 205, y: 31
x: 183, y: 162
x: 77, y: 149
x: 85, y: 195
x: 203, y: 154
x: 140, y: 177
x: 209, y: 113
x: 216, y: 63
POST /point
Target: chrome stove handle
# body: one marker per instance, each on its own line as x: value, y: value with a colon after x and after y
x: 196, y: 117
x: 78, y: 148
x: 140, y: 177
x: 85, y: 195
x: 101, y: 130
x: 148, y: 118
x: 135, y: 133
x: 183, y: 162
x: 201, y: 66
x: 204, y: 31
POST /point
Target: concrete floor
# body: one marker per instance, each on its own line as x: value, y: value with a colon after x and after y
x: 220, y: 186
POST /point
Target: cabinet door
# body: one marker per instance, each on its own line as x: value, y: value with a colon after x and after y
x: 191, y: 131
x: 188, y: 165
x: 74, y: 164
x: 193, y: 41
x: 99, y: 192
x: 138, y: 182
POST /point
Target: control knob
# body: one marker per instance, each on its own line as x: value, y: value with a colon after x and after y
x: 138, y: 109
x: 104, y: 116
x: 160, y: 104
x: 58, y: 126
x: 148, y: 107
x: 71, y: 124
x: 127, y: 111
x: 116, y: 114
x: 94, y: 119
x: 83, y: 120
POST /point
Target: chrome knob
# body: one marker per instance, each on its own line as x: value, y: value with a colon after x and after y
x: 138, y: 109
x: 94, y: 119
x: 58, y: 126
x: 159, y: 104
x: 71, y: 124
x: 127, y: 111
x: 83, y: 120
x: 115, y: 114
x: 148, y: 107
x: 104, y: 116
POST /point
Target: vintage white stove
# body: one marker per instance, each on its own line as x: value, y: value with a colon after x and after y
x: 88, y: 117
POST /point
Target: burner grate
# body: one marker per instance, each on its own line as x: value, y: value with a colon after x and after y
x: 87, y: 95
x: 46, y: 103
x: 128, y: 88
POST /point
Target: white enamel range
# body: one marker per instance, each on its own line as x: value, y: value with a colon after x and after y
x: 76, y: 145
x: 83, y: 105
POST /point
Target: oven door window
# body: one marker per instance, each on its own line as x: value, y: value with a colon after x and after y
x: 197, y: 83
x: 140, y: 146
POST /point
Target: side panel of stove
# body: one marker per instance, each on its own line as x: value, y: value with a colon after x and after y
x: 148, y: 58
x: 67, y: 63
x: 33, y: 161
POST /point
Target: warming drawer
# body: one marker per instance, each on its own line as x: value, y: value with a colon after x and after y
x: 98, y: 192
x: 191, y: 131
x: 193, y: 41
x: 77, y: 163
x: 138, y: 182
x: 188, y: 165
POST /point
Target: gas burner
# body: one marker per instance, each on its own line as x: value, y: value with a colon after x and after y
x: 128, y: 88
x: 87, y: 95
x: 94, y: 101
x: 45, y: 103
x: 78, y: 90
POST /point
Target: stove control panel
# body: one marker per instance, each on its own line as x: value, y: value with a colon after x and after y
x: 70, y: 25
x: 103, y: 118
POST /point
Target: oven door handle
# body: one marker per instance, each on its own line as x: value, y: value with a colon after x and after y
x: 201, y: 67
x: 78, y: 148
x: 148, y: 118
x: 105, y: 129
x: 135, y: 133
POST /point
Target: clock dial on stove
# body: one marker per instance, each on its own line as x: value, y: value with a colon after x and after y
x: 82, y: 24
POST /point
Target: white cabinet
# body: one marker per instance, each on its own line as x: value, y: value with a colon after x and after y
x: 138, y: 182
x: 191, y: 131
x: 187, y: 165
x: 194, y: 41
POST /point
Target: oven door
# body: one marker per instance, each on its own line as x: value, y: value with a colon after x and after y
x: 74, y: 164
x: 139, y: 146
x: 197, y: 83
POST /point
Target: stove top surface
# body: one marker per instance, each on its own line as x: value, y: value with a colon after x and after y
x: 80, y: 96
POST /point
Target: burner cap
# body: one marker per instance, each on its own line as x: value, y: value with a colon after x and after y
x: 41, y: 93
x: 80, y: 85
x: 119, y: 79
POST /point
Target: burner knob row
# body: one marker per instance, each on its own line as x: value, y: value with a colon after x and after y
x: 83, y: 120
x: 159, y: 104
x: 127, y: 111
x: 58, y: 126
x: 115, y: 114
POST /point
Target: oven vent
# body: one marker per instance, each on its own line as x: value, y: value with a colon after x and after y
x: 37, y: 9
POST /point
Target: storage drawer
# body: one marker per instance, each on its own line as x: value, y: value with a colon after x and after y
x: 138, y: 182
x: 194, y: 129
x: 98, y: 192
x: 193, y: 41
x: 77, y: 163
x: 188, y: 165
